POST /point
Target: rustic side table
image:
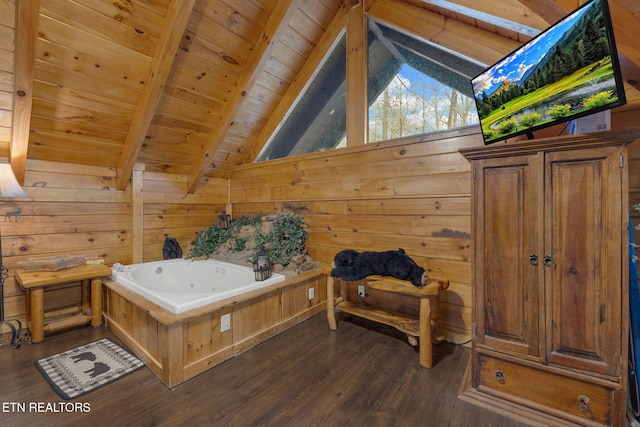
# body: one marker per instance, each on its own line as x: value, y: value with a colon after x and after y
x: 90, y: 311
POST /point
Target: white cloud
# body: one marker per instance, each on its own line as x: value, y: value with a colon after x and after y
x: 522, y: 70
x: 482, y: 84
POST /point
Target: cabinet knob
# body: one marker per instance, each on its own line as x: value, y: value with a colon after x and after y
x: 500, y: 377
x: 533, y: 259
x: 548, y: 260
x: 583, y: 403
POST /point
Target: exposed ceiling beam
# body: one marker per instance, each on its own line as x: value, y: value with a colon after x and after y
x: 300, y: 83
x: 502, y: 15
x: 510, y: 10
x: 27, y: 14
x: 625, y: 27
x: 175, y: 23
x: 465, y: 39
x: 273, y: 32
x: 357, y: 124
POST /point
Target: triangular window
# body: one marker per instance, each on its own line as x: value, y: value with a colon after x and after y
x: 416, y: 87
x: 413, y: 88
x: 318, y: 120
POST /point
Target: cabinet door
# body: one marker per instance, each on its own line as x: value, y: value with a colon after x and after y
x: 508, y: 228
x: 584, y: 230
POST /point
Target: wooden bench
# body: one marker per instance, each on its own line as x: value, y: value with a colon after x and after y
x: 419, y: 329
x: 90, y: 311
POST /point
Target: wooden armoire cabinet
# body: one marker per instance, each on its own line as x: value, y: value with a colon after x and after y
x: 550, y: 279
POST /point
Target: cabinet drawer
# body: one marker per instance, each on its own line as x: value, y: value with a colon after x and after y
x: 547, y: 391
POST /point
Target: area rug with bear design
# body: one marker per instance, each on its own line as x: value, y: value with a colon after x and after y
x: 78, y: 371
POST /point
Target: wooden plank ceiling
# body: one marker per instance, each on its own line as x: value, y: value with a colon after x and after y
x: 188, y: 86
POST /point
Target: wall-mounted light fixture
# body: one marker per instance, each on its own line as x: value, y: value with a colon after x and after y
x: 9, y: 190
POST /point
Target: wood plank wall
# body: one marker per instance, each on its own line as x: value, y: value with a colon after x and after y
x: 76, y: 210
x: 7, y: 37
x: 411, y: 194
x: 170, y: 212
x: 73, y: 209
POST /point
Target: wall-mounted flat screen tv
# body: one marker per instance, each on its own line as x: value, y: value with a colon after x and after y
x: 568, y: 71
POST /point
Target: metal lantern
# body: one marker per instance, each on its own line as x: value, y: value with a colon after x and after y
x: 224, y: 220
x: 262, y: 265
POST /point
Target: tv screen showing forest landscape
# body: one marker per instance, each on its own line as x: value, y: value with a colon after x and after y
x: 568, y: 71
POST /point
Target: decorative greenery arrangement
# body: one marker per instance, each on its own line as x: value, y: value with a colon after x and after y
x: 208, y: 241
x: 285, y: 239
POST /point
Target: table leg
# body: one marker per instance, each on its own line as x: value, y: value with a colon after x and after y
x: 36, y: 326
x: 85, y: 295
x: 96, y: 302
x: 27, y: 300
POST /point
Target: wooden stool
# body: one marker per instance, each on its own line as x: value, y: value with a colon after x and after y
x: 34, y: 283
x: 422, y: 326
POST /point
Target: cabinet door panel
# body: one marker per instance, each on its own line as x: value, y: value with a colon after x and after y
x: 584, y: 238
x: 509, y: 220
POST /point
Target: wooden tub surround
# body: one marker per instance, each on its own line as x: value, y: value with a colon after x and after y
x: 419, y: 324
x: 176, y: 347
x: 90, y: 311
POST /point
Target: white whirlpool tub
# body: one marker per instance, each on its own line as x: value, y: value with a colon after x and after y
x: 180, y: 285
x: 183, y: 317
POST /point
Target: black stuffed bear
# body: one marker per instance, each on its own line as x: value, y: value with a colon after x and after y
x: 354, y: 265
x: 171, y: 248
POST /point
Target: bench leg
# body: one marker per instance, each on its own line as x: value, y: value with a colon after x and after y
x: 331, y: 312
x: 36, y: 311
x: 426, y: 351
x: 436, y: 338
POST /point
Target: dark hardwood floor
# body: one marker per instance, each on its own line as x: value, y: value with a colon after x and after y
x: 360, y: 375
